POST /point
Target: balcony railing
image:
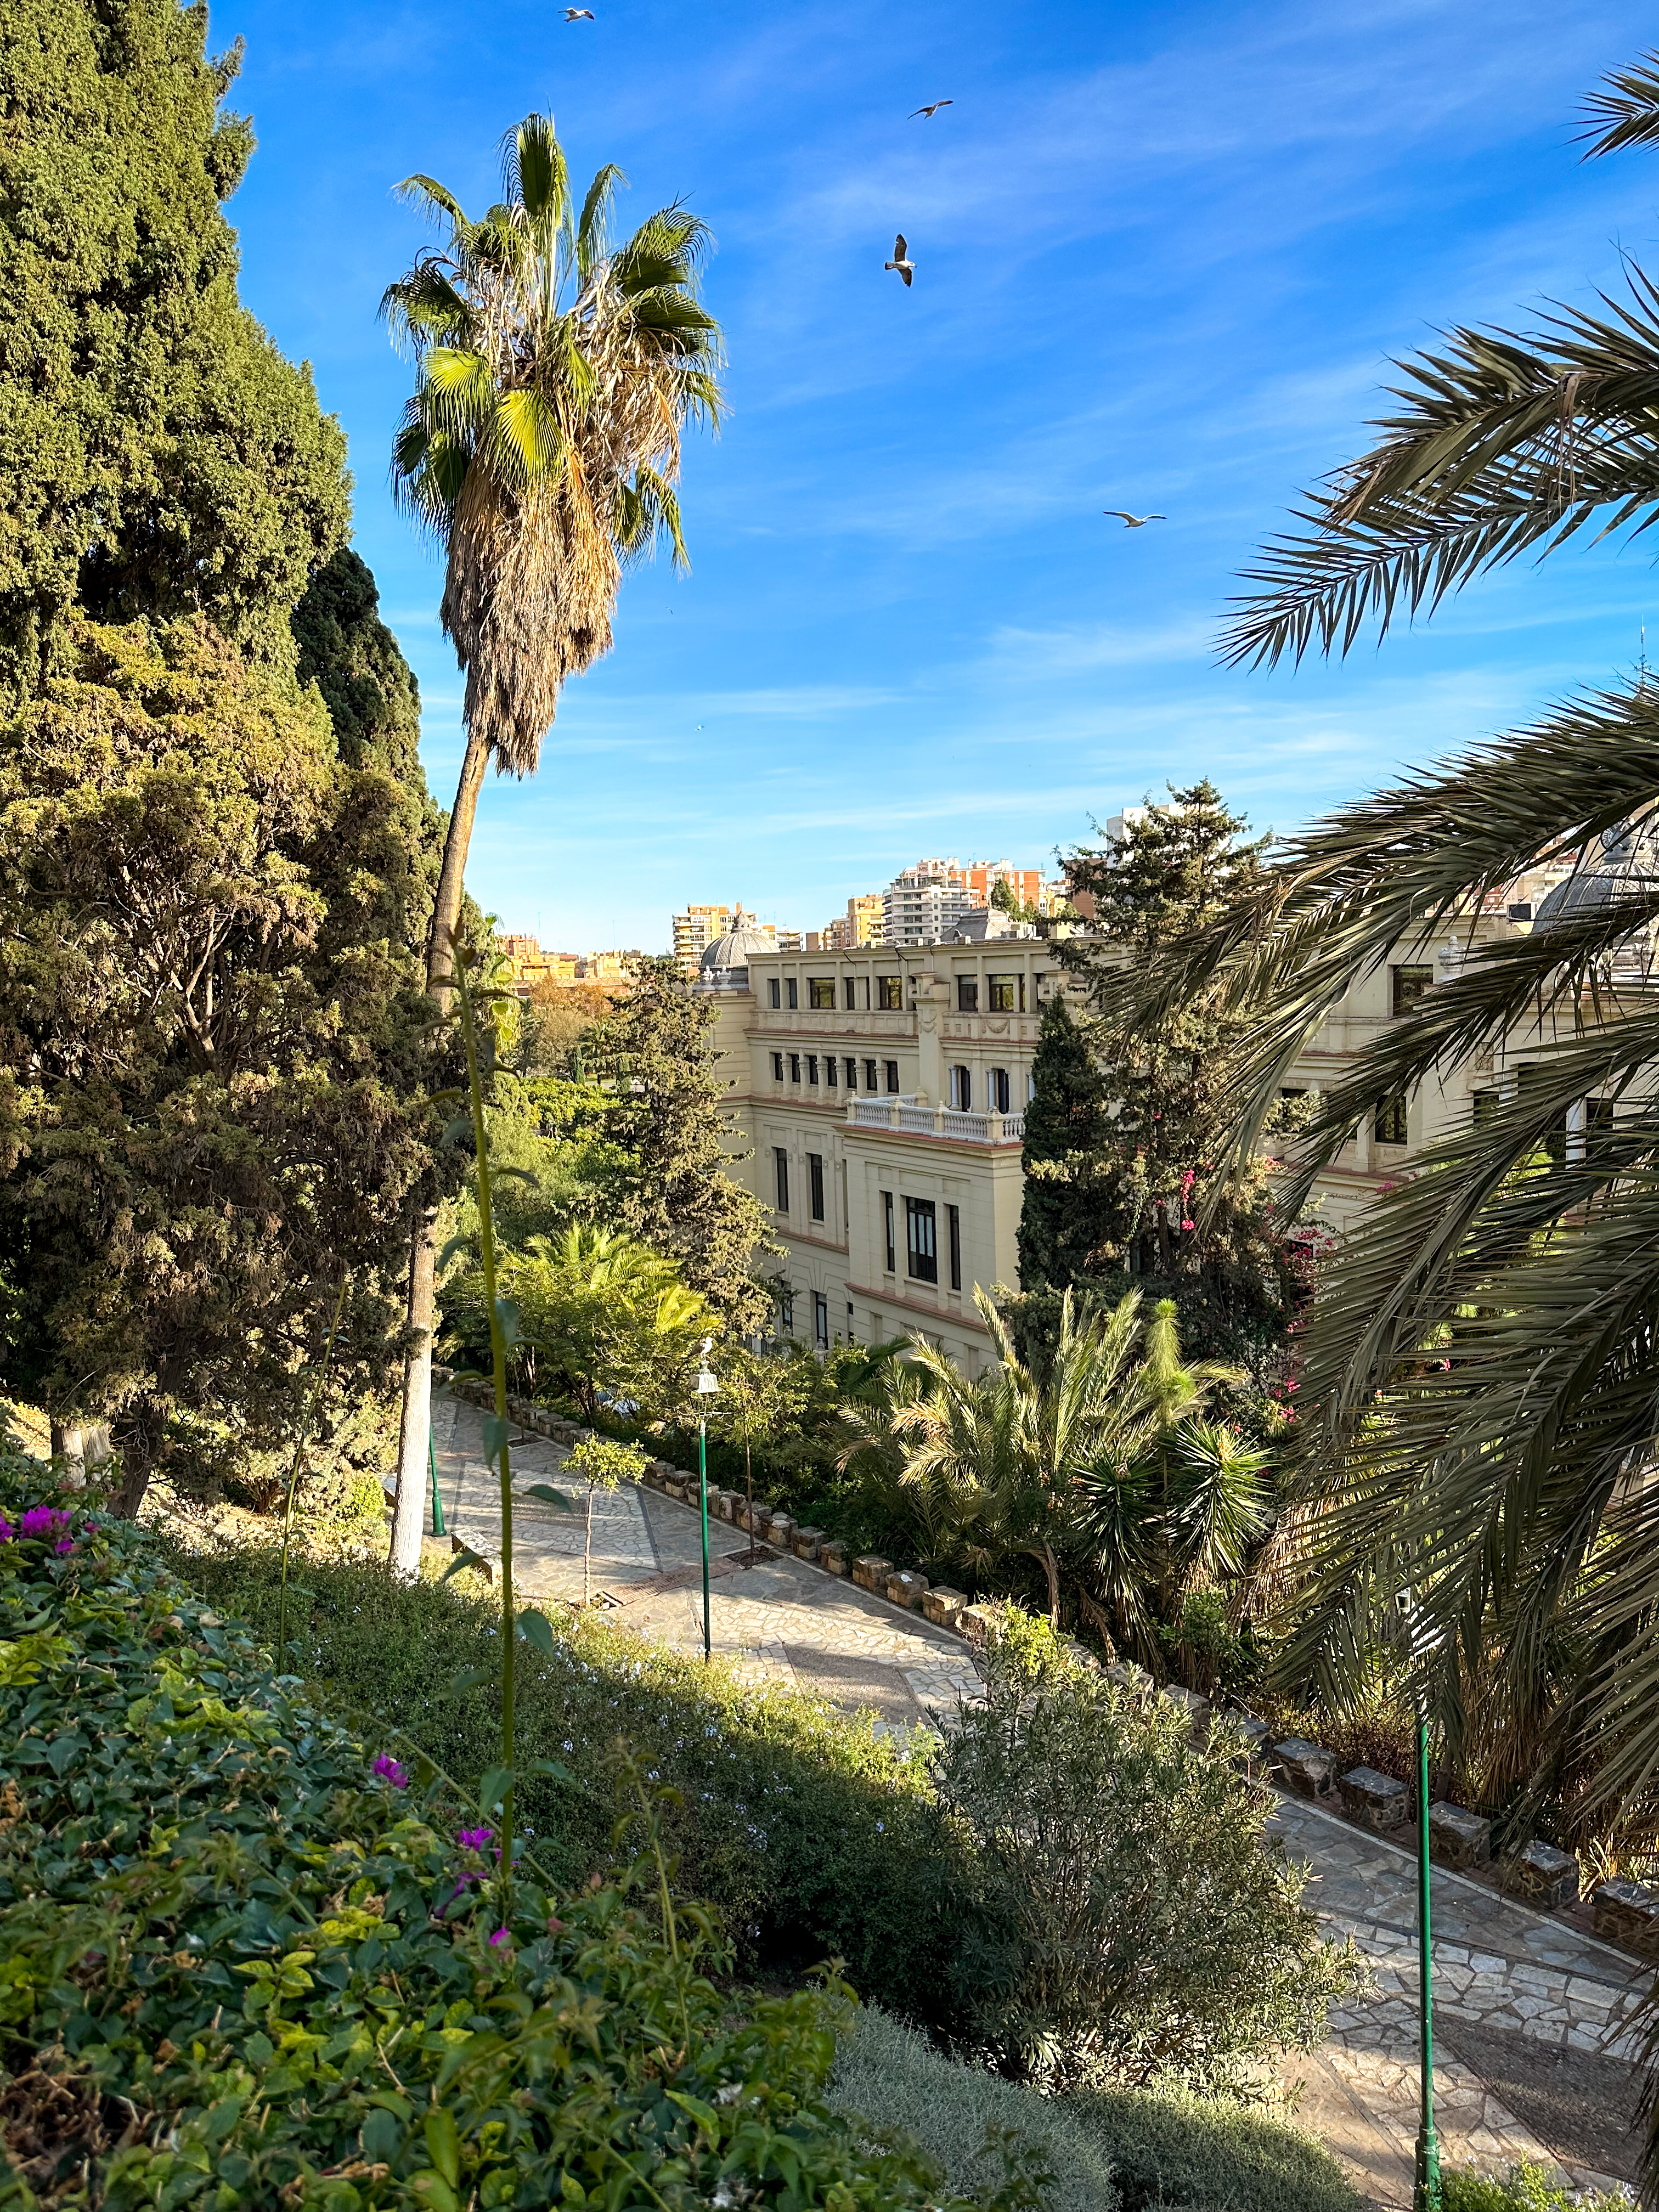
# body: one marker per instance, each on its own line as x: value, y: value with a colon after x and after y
x: 905, y: 1117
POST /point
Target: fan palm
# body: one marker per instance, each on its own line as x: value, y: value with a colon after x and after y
x: 1481, y: 1388
x: 555, y: 375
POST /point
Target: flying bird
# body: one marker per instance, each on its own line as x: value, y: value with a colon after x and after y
x: 932, y: 111
x: 1132, y: 521
x: 902, y: 260
x: 578, y: 15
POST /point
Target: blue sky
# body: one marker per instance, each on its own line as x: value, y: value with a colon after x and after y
x: 1162, y: 254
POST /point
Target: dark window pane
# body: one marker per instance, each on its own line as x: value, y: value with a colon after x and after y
x: 795, y: 994
x: 967, y: 994
x: 1390, y: 1125
x: 870, y: 1078
x: 887, y: 1224
x: 997, y: 1099
x: 774, y: 991
x: 821, y: 1319
x: 777, y: 1067
x: 1409, y: 985
x: 815, y: 1178
x: 852, y: 1069
x: 811, y: 1068
x: 830, y: 1069
x: 953, y: 1222
x: 820, y: 994
x: 921, y: 1240
x: 781, y: 1161
x: 892, y: 1076
x: 889, y: 993
x: 795, y: 1067
x: 849, y: 993
x: 1007, y: 994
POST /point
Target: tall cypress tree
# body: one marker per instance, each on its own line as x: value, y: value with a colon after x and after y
x: 1066, y: 1215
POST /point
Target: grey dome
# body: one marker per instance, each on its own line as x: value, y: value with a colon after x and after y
x: 732, y: 950
x: 1623, y: 864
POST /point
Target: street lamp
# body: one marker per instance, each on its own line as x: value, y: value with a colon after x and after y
x: 1425, y: 2185
x: 707, y: 1387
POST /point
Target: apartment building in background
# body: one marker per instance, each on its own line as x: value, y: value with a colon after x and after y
x: 695, y: 929
x: 877, y: 1096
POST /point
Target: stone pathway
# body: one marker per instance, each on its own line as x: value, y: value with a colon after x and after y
x: 1523, y: 1992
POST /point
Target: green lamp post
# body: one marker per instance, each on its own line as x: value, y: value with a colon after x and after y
x: 707, y: 1387
x: 1425, y: 2187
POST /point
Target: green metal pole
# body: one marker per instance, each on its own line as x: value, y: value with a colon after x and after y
x: 1426, y: 2193
x: 702, y: 1483
x: 432, y: 1462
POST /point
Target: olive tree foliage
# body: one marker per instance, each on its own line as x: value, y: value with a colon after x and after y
x: 211, y: 1042
x: 1129, y: 1922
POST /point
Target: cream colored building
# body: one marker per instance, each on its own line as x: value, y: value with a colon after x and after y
x: 880, y: 1096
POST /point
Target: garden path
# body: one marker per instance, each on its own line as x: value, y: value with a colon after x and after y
x: 1535, y: 2043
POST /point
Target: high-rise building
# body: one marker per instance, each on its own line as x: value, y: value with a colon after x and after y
x: 696, y: 928
x: 867, y: 917
x: 923, y: 905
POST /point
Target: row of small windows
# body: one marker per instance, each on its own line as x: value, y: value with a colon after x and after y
x: 1004, y: 994
x: 874, y: 1073
x: 998, y: 1090
x: 921, y: 1239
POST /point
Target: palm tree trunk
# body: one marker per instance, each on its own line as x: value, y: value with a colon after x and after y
x: 415, y: 1430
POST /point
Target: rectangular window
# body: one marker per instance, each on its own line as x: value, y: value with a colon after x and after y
x: 953, y: 1225
x: 814, y: 1182
x: 777, y: 1067
x: 787, y: 1310
x: 871, y: 1082
x: 780, y: 1164
x: 851, y: 1069
x: 962, y: 1090
x: 829, y: 1070
x: 921, y: 1240
x: 892, y: 1076
x: 820, y: 994
x: 996, y: 1090
x: 773, y: 991
x: 889, y: 993
x: 821, y: 1319
x: 849, y: 993
x: 795, y: 995
x: 967, y: 994
x: 811, y: 1068
x: 1390, y: 1128
x: 795, y: 1067
x: 1007, y: 994
x: 887, y: 1224
x: 1408, y: 984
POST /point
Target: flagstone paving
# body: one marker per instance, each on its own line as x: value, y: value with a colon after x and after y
x: 1513, y: 1982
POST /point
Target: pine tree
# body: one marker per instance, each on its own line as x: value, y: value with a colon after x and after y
x: 676, y: 1191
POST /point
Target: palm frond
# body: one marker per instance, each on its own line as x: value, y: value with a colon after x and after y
x: 1627, y: 113
x: 590, y: 230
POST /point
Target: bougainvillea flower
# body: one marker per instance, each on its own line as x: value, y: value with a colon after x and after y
x: 389, y: 1770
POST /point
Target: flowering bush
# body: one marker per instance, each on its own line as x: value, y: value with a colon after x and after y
x: 239, y: 1964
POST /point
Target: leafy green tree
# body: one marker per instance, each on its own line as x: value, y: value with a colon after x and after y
x: 161, y: 459
x: 600, y: 1464
x: 674, y: 1188
x: 555, y: 375
x: 1482, y: 1362
x: 757, y: 1403
x: 212, y: 1040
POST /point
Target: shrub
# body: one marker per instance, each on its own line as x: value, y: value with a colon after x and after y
x: 894, y: 2078
x: 244, y: 1964
x: 1179, y: 2153
x: 1126, y: 1919
x: 814, y: 1837
x: 1523, y: 2189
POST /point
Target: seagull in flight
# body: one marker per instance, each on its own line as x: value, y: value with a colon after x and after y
x: 1132, y: 521
x: 929, y: 111
x: 902, y: 260
x: 578, y: 15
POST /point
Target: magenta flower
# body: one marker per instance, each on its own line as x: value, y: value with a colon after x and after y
x: 7, y: 1532
x: 49, y: 1521
x: 500, y: 1937
x: 474, y: 1839
x: 389, y: 1770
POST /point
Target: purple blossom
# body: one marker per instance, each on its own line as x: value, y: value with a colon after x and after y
x: 474, y: 1839
x: 44, y: 1521
x: 500, y: 1937
x: 63, y: 1544
x: 7, y: 1532
x: 389, y: 1770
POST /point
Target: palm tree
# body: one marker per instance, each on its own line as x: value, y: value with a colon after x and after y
x: 555, y: 375
x: 1062, y: 1462
x: 1482, y: 1365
